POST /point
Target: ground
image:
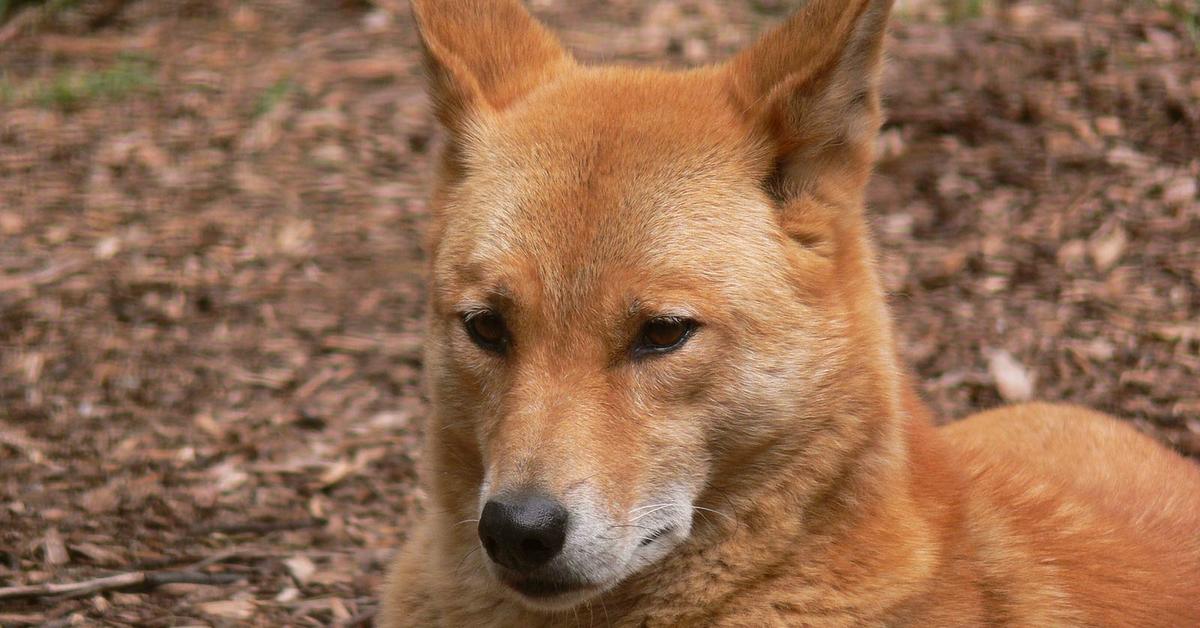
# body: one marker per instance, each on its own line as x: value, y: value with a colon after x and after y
x: 211, y: 260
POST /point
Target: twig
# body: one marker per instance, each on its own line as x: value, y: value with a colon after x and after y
x: 131, y: 580
x: 18, y: 23
x: 18, y: 440
x: 21, y: 619
x: 234, y: 553
x: 238, y: 553
x: 48, y: 275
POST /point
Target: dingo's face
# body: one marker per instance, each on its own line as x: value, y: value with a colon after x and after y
x: 633, y: 295
x: 594, y: 329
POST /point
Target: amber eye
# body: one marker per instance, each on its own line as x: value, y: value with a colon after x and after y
x: 663, y: 334
x: 487, y: 329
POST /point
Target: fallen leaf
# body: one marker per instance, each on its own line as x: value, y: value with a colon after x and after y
x: 335, y: 473
x: 1010, y: 377
x: 228, y: 609
x: 1100, y: 350
x: 1180, y: 191
x: 100, y: 604
x: 101, y: 500
x: 1106, y: 247
x: 1071, y: 254
x: 54, y: 550
x: 97, y: 554
x: 229, y: 478
x: 338, y: 609
x: 301, y: 568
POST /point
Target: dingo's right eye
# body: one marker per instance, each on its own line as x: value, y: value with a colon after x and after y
x: 487, y: 330
x: 664, y: 334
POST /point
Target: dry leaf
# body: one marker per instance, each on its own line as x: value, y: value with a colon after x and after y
x: 1100, y: 350
x: 287, y: 594
x: 1105, y: 248
x: 301, y: 568
x: 335, y: 473
x: 228, y: 609
x: 101, y: 500
x: 1071, y: 254
x: 100, y: 604
x: 229, y: 478
x: 338, y: 609
x: 1011, y: 378
x: 54, y: 550
x: 97, y: 554
x: 1180, y: 191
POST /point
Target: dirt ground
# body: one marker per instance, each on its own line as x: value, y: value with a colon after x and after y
x: 211, y: 260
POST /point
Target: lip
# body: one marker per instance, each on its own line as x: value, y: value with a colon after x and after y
x: 543, y: 588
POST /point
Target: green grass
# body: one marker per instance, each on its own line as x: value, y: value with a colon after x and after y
x: 960, y: 10
x: 274, y: 95
x: 73, y: 89
x: 8, y: 91
x: 8, y: 8
x: 1188, y: 14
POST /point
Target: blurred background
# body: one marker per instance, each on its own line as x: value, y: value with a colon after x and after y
x: 211, y: 260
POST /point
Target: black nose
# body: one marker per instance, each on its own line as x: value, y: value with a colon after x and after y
x: 523, y: 531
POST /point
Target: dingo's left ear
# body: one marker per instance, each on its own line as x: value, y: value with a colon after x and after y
x: 811, y: 86
x: 482, y: 55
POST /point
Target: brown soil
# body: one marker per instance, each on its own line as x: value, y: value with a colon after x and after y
x: 211, y: 251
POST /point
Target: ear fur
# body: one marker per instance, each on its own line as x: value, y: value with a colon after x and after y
x: 810, y: 88
x: 482, y: 55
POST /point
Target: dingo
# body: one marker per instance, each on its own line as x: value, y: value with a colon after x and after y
x: 665, y: 388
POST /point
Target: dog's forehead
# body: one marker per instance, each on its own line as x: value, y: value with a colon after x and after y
x: 613, y: 170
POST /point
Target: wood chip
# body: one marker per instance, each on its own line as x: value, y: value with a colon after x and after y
x: 54, y: 551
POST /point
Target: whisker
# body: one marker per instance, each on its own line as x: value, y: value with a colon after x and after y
x: 628, y: 525
x: 464, y: 559
x: 650, y: 512
x: 625, y: 525
x: 736, y: 524
x: 716, y: 512
x: 632, y: 510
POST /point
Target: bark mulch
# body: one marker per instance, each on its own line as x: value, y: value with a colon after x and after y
x: 211, y: 259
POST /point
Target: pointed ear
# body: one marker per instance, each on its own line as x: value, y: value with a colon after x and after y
x: 811, y: 88
x: 482, y: 55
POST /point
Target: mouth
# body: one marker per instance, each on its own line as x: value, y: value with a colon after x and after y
x: 549, y: 594
x: 544, y: 588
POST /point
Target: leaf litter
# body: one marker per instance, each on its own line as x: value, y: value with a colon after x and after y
x: 211, y: 260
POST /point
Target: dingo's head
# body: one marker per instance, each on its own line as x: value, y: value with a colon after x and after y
x: 651, y: 290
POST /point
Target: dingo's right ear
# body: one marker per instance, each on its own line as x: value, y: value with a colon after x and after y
x: 482, y: 55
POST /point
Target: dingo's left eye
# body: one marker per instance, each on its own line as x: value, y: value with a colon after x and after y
x: 663, y: 334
